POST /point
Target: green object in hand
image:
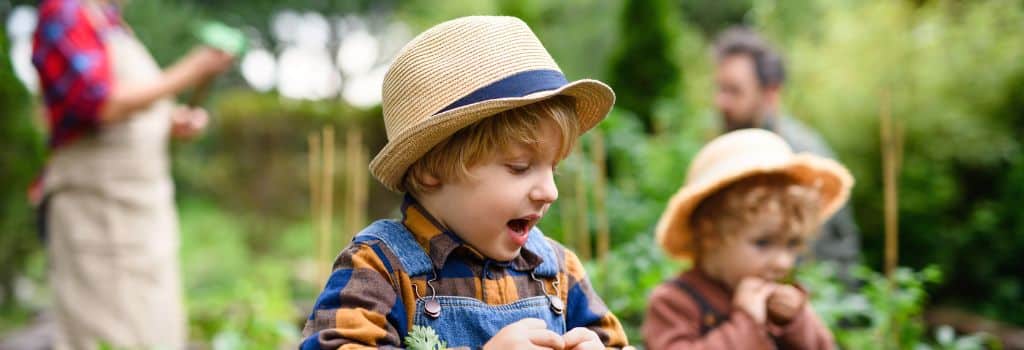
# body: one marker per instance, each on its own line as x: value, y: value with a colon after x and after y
x: 424, y: 338
x: 221, y: 36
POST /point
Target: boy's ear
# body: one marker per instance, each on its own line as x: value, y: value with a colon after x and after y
x: 430, y: 180
x: 704, y: 235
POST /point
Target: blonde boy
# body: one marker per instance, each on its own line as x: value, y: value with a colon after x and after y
x: 478, y: 116
x: 747, y: 210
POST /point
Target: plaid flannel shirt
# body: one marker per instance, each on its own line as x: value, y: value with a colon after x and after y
x: 368, y: 301
x: 74, y: 68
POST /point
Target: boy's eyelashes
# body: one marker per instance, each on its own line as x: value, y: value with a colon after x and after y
x: 762, y: 242
x: 795, y: 243
x: 518, y: 168
x: 522, y: 168
x: 766, y: 242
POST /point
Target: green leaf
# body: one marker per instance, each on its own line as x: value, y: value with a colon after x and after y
x: 424, y: 338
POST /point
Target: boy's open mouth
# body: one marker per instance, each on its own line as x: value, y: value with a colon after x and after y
x: 519, y: 229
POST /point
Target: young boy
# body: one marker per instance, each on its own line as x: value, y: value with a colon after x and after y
x: 747, y: 210
x: 478, y: 116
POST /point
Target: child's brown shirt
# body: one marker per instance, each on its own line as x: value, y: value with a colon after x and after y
x: 674, y: 321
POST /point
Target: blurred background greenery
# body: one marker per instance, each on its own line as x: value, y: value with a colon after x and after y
x: 954, y: 71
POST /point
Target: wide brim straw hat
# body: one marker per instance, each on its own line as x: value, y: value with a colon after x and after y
x: 461, y: 71
x: 738, y: 155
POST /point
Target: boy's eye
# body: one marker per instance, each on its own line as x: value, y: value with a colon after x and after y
x: 795, y: 243
x: 762, y: 242
x: 518, y: 168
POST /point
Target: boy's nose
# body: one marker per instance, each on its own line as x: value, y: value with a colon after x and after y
x: 545, y: 191
x: 783, y: 262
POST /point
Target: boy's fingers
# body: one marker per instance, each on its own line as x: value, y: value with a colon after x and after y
x: 750, y: 284
x: 765, y: 290
x: 778, y: 305
x: 545, y: 338
x: 579, y: 335
x: 589, y: 345
x: 531, y: 323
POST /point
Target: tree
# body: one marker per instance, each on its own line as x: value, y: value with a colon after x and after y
x: 644, y: 68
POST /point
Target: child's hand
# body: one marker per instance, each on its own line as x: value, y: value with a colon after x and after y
x: 784, y: 304
x: 580, y: 338
x: 528, y: 333
x: 752, y: 296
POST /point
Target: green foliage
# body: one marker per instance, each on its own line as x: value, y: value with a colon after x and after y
x: 236, y: 299
x: 946, y: 339
x: 21, y: 154
x: 254, y: 159
x: 424, y: 338
x: 645, y: 67
x: 714, y: 16
x: 627, y: 278
x: 174, y: 36
x: 578, y: 33
x: 883, y: 313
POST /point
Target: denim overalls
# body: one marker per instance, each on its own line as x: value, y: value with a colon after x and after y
x: 464, y: 321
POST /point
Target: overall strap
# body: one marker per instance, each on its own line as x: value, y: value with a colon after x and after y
x: 416, y: 262
x: 537, y: 244
x: 709, y: 317
x: 396, y: 237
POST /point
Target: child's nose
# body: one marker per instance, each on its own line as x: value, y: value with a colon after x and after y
x: 783, y: 262
x: 545, y: 191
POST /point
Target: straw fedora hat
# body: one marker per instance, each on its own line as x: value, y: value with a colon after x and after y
x: 738, y: 155
x: 461, y: 71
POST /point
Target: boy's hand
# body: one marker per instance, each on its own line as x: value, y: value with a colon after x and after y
x: 528, y: 333
x: 752, y: 296
x: 784, y: 304
x: 580, y: 338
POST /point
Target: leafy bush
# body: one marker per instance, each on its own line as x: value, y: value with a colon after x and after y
x: 254, y: 159
x: 21, y: 158
x: 882, y: 313
x: 626, y: 280
x: 236, y: 299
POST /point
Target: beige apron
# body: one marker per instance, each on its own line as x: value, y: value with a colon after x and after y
x: 112, y: 226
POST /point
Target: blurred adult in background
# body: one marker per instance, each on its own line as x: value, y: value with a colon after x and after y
x: 106, y: 196
x: 749, y: 79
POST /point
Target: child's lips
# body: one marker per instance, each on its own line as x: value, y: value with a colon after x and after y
x: 519, y: 228
x: 518, y: 238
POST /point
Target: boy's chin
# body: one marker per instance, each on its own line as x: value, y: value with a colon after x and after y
x: 505, y: 254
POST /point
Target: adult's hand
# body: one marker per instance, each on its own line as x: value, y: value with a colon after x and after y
x: 187, y: 122
x: 200, y: 64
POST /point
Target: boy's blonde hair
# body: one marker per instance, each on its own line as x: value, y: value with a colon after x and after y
x: 773, y: 201
x: 451, y: 159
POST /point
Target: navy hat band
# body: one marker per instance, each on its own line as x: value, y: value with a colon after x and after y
x: 516, y: 85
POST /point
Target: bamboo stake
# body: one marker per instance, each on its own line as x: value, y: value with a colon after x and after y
x: 582, y: 225
x: 568, y: 219
x: 326, y: 189
x: 597, y: 154
x: 362, y: 190
x: 891, y: 156
x: 347, y: 201
x: 314, y: 204
x: 355, y: 193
